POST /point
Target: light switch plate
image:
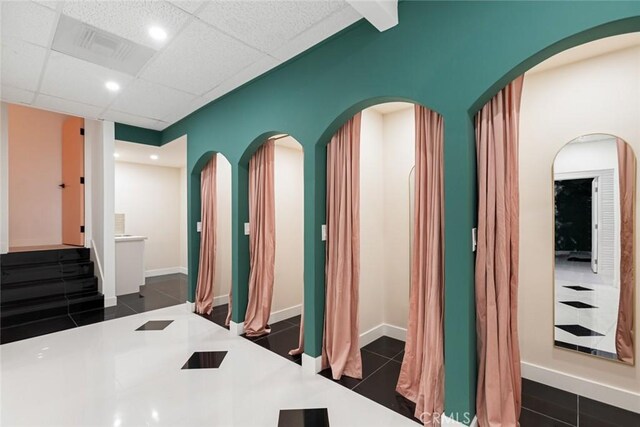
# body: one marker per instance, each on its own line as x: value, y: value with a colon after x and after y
x: 324, y: 232
x: 199, y: 226
x: 474, y: 239
x: 246, y: 228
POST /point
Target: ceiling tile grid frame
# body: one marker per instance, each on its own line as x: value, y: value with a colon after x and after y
x: 212, y: 47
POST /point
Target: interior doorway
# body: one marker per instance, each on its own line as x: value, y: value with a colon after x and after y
x: 46, y: 179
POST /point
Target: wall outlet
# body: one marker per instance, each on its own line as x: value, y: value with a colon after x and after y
x: 246, y: 228
x: 323, y: 231
x: 199, y: 226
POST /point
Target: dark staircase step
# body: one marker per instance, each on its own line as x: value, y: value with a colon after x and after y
x: 43, y: 308
x: 25, y: 291
x: 44, y: 256
x: 46, y: 271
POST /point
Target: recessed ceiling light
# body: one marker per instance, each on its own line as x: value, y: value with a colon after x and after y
x: 112, y: 86
x: 153, y: 157
x: 116, y: 155
x: 157, y: 33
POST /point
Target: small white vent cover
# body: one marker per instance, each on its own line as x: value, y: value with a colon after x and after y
x: 83, y: 41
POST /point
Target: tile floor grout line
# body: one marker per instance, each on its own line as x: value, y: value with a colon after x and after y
x: 381, y: 355
x: 549, y: 417
x: 370, y: 375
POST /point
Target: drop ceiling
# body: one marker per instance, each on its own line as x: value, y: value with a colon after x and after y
x: 172, y: 154
x: 212, y: 47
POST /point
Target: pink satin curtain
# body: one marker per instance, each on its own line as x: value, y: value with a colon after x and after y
x: 421, y: 377
x: 207, y: 265
x: 627, y: 175
x: 340, y: 347
x: 498, y: 399
x: 262, y: 242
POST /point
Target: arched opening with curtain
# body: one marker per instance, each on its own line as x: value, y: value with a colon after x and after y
x: 211, y: 213
x: 371, y: 303
x: 275, y: 194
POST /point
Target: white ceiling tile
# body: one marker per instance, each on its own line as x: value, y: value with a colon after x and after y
x: 60, y: 105
x: 134, y: 120
x: 80, y: 81
x: 27, y: 21
x: 129, y: 19
x: 150, y: 100
x: 51, y: 4
x: 325, y: 29
x: 199, y: 59
x: 242, y: 77
x: 15, y: 95
x: 188, y: 6
x: 267, y: 25
x: 22, y: 63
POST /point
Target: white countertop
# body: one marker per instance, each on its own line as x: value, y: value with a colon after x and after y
x: 129, y: 238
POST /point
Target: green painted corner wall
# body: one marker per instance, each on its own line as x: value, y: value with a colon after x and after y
x: 137, y: 134
x: 449, y: 56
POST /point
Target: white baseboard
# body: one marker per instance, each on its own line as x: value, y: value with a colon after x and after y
x: 381, y: 330
x: 236, y: 328
x: 459, y: 422
x: 110, y: 302
x: 624, y: 399
x: 311, y: 365
x: 191, y: 306
x: 163, y: 271
x: 221, y: 300
x: 286, y: 313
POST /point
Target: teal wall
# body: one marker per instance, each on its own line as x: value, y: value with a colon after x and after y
x: 449, y: 56
x: 136, y: 134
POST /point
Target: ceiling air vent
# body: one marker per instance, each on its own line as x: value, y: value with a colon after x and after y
x: 82, y: 41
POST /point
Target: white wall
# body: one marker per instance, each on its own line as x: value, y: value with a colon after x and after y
x: 599, y: 95
x: 100, y: 139
x: 222, y: 283
x: 35, y: 171
x: 183, y: 221
x: 149, y: 197
x: 289, y: 201
x: 387, y: 153
x: 372, y: 245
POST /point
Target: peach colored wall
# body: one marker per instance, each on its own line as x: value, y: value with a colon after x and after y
x: 35, y: 171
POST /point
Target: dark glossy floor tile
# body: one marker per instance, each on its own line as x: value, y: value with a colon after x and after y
x: 317, y: 417
x: 587, y: 350
x: 385, y: 346
x: 381, y: 388
x: 99, y: 315
x: 371, y: 362
x: 205, y: 360
x: 552, y: 402
x: 295, y: 320
x: 577, y: 304
x: 532, y: 419
x: 173, y: 285
x: 578, y: 288
x: 35, y: 329
x: 579, y: 331
x: 598, y: 414
x: 399, y: 357
x: 155, y: 325
x: 282, y: 342
x: 147, y: 300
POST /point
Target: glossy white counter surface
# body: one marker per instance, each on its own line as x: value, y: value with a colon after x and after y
x: 128, y: 238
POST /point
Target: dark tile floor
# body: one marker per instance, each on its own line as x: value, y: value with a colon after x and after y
x: 283, y: 338
x: 544, y: 406
x: 381, y: 362
x: 158, y: 292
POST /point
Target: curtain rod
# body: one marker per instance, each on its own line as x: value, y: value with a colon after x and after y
x: 285, y: 135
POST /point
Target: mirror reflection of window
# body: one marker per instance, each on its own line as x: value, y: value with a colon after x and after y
x: 593, y: 266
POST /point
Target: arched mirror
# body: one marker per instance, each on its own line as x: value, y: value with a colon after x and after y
x: 594, y: 185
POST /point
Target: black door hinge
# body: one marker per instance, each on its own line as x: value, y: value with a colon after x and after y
x: 82, y: 131
x: 82, y: 228
x: 82, y: 180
